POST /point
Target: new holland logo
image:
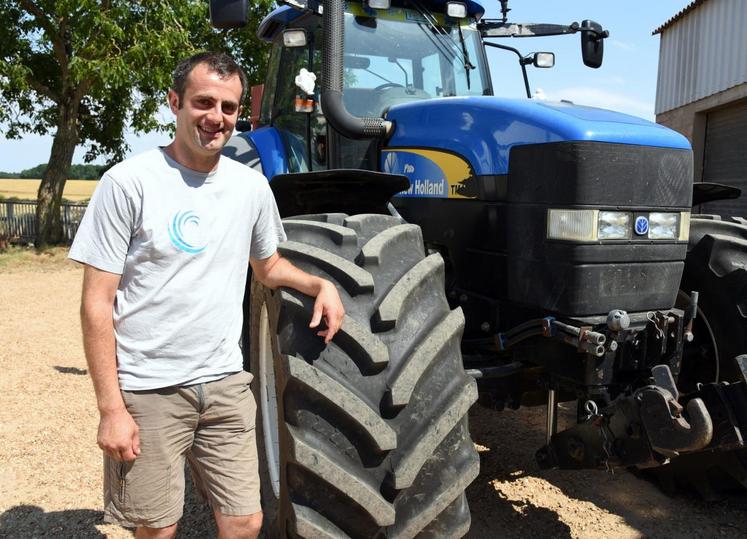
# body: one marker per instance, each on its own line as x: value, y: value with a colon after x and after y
x: 641, y: 225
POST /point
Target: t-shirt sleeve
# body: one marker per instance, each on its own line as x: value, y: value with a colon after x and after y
x: 103, y: 237
x: 268, y: 229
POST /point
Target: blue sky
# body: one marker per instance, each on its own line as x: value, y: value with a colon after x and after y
x: 626, y: 82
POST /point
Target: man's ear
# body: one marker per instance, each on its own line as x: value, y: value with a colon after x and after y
x: 173, y: 99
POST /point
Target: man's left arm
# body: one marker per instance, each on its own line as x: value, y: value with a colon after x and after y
x: 276, y: 271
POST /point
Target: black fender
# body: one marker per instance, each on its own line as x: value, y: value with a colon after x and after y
x: 348, y: 191
x: 708, y: 192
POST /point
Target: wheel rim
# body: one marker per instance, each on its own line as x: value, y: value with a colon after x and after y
x: 269, y: 401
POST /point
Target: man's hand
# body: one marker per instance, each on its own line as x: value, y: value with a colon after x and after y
x: 119, y: 435
x: 328, y: 306
x: 275, y: 272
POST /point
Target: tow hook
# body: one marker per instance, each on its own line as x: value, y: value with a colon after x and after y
x: 643, y: 429
x: 669, y: 432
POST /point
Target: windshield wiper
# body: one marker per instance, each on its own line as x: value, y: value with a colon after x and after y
x: 433, y: 25
x: 377, y: 75
x: 467, y: 64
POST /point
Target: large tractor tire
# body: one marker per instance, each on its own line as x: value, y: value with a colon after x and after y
x: 366, y: 437
x: 716, y: 267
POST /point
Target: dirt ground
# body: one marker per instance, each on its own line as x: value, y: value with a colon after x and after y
x: 50, y: 478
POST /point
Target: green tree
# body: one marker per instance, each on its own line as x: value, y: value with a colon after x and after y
x: 87, y: 70
x: 34, y: 172
x: 86, y: 172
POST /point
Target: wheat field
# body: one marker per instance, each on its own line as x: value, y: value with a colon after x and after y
x: 75, y: 190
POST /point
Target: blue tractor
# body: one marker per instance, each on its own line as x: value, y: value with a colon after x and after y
x: 520, y: 251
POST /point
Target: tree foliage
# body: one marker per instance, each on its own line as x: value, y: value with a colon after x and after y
x: 90, y: 71
x: 77, y: 172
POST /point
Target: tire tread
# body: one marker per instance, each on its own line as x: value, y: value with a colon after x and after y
x: 343, y: 478
x: 391, y: 307
x: 354, y: 279
x: 345, y: 400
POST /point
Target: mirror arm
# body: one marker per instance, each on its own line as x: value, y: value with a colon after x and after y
x: 498, y: 28
x: 596, y: 35
x: 522, y: 63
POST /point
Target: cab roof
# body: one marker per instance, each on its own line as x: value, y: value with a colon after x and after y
x: 280, y: 18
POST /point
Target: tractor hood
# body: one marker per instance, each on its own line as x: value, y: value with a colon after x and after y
x: 515, y: 162
x: 483, y: 130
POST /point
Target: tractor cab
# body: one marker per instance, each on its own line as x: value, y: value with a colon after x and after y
x: 392, y: 56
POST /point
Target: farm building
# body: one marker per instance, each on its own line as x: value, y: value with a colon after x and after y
x: 701, y: 91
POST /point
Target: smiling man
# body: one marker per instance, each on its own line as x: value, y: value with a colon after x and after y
x: 166, y: 242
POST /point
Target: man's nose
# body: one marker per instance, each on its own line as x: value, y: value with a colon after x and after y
x: 215, y: 114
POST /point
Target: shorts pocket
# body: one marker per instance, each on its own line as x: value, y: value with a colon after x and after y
x: 240, y: 401
x: 116, y: 484
x: 245, y: 378
x: 240, y: 386
x: 147, y: 489
x: 121, y: 486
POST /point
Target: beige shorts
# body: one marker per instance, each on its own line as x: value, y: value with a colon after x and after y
x: 212, y: 426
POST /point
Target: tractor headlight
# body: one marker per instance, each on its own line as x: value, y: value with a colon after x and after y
x: 601, y: 225
x: 575, y: 225
x: 684, y: 226
x: 379, y: 4
x: 614, y: 225
x: 663, y: 226
x: 294, y: 37
x: 456, y: 10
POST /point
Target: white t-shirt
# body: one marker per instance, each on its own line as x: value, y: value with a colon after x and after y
x: 181, y: 240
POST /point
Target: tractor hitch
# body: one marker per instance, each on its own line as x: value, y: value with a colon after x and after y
x: 653, y: 424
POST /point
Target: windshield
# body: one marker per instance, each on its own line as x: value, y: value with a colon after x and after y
x: 396, y: 55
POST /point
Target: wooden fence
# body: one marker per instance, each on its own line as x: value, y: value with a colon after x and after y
x: 18, y: 220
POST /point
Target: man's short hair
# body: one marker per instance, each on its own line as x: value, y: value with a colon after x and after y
x: 217, y: 62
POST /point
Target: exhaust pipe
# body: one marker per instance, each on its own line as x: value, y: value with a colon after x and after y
x: 332, y: 78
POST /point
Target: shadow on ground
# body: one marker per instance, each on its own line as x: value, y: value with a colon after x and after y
x: 510, y: 440
x: 70, y: 370
x: 33, y: 521
x: 494, y: 514
x: 497, y: 516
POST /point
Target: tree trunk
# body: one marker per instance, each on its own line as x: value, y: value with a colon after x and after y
x: 49, y: 198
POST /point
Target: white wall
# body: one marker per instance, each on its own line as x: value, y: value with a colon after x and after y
x: 703, y: 53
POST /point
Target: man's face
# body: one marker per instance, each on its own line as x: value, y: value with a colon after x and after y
x: 207, y: 114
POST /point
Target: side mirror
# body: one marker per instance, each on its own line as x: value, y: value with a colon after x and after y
x: 543, y: 59
x: 592, y: 43
x: 229, y: 13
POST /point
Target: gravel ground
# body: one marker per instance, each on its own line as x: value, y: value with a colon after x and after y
x: 50, y: 467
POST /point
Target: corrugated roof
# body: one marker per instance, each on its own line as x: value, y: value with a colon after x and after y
x: 684, y: 11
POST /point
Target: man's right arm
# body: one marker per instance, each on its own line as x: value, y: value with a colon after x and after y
x: 118, y: 434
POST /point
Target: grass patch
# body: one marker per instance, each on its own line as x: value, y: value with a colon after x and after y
x: 16, y: 259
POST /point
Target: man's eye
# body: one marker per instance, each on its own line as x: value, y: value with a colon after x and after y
x: 229, y: 109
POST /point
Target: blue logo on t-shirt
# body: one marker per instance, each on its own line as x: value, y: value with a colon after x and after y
x: 184, y: 231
